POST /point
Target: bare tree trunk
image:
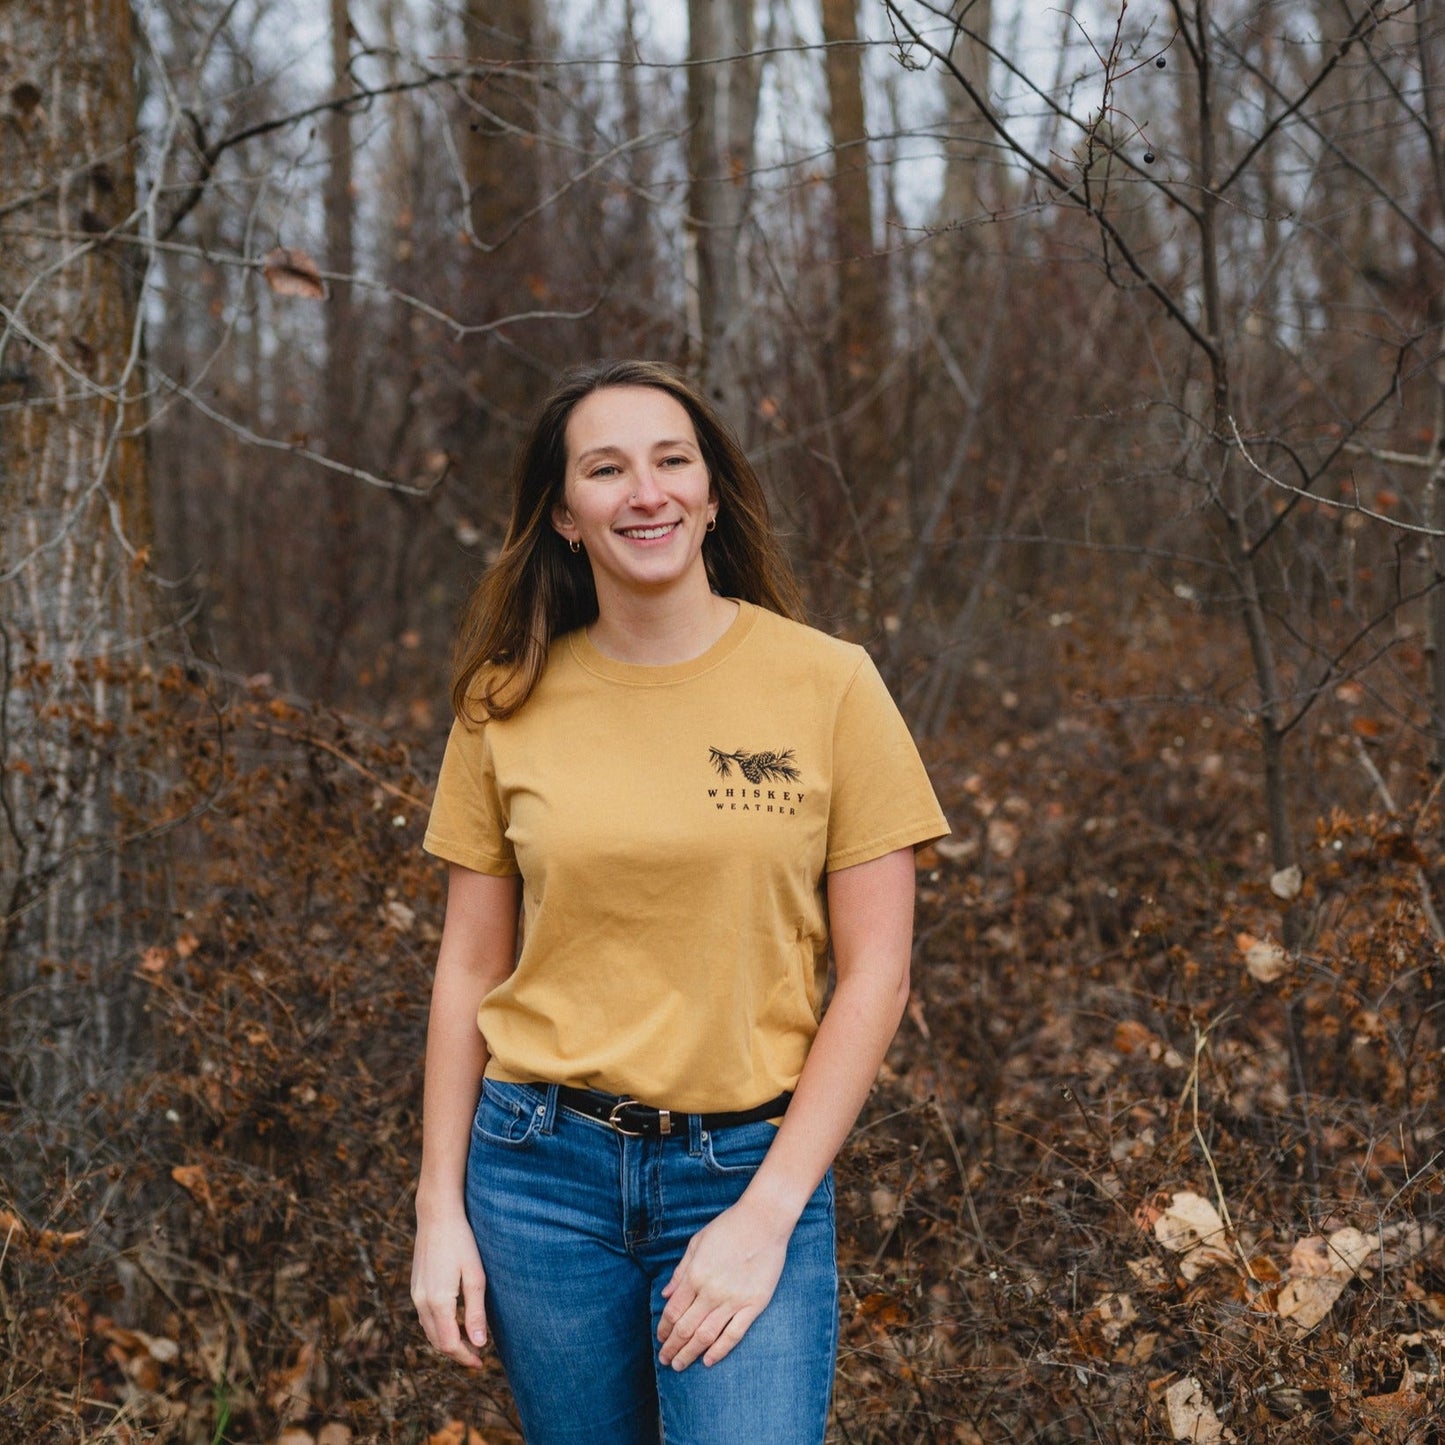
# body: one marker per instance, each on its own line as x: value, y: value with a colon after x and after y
x: 965, y: 154
x: 339, y: 602
x: 75, y: 525
x: 861, y: 336
x: 722, y: 104
x: 1232, y: 494
x: 504, y: 172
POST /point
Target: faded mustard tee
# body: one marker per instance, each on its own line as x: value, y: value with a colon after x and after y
x: 672, y: 826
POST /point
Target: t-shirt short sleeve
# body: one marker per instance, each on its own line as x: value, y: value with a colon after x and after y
x: 882, y: 799
x: 468, y: 824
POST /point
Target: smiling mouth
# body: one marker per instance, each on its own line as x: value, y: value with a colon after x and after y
x: 647, y: 534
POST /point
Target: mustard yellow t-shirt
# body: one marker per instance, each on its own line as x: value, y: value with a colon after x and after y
x: 672, y: 826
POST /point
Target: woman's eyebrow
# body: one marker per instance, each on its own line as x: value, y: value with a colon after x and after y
x: 616, y: 451
x: 603, y: 451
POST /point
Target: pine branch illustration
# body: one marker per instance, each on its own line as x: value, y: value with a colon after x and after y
x: 757, y: 767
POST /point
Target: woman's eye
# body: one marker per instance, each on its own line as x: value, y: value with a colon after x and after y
x: 605, y: 471
x: 675, y: 462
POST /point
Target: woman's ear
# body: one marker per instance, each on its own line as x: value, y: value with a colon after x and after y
x: 562, y: 521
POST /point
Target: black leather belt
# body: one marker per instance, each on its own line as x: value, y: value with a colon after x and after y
x: 639, y: 1121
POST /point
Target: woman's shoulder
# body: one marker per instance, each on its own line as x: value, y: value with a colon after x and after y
x: 802, y: 642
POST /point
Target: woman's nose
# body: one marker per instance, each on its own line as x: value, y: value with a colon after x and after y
x: 647, y: 492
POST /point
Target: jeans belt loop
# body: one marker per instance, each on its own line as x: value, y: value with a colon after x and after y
x: 549, y: 1109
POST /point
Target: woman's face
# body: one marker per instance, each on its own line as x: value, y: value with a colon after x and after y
x: 637, y: 494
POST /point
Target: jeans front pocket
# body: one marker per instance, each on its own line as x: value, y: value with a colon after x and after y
x: 507, y: 1114
x: 739, y: 1150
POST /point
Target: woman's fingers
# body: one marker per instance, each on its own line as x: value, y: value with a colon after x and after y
x: 446, y: 1272
x: 731, y: 1333
x: 712, y: 1337
x: 474, y: 1312
x: 720, y: 1286
x: 439, y: 1321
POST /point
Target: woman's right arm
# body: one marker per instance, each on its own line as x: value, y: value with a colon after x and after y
x: 478, y: 951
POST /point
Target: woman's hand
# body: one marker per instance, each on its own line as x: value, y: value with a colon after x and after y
x: 722, y: 1283
x: 732, y: 1266
x: 444, y: 1264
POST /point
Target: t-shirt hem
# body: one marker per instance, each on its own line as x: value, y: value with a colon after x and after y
x: 914, y: 834
x: 471, y: 858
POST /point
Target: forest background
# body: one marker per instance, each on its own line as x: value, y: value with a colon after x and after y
x: 1091, y: 356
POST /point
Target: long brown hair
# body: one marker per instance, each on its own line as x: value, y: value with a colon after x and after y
x: 538, y: 589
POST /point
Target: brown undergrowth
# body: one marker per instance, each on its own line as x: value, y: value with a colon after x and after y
x: 1132, y: 1171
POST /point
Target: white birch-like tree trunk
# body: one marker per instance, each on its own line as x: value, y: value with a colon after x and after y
x: 74, y: 527
x: 722, y: 114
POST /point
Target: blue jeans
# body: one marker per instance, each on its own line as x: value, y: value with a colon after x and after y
x: 580, y: 1228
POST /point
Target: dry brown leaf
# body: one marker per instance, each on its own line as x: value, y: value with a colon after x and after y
x: 294, y: 1435
x: 290, y: 272
x: 1191, y: 1416
x: 1399, y: 1407
x: 1204, y: 1257
x: 398, y: 916
x: 1350, y: 1251
x: 1405, y: 1240
x: 1130, y: 1034
x: 1115, y: 1313
x: 57, y: 1239
x: 1149, y: 1272
x: 886, y: 1208
x: 455, y: 1432
x: 1264, y: 959
x: 1286, y: 883
x: 290, y: 1395
x: 1139, y: 1350
x: 1189, y: 1220
x: 956, y: 850
x: 1003, y: 837
x: 213, y: 1351
x: 1343, y: 1254
x: 1263, y: 1269
x: 1306, y: 1301
x: 192, y: 1178
x: 153, y: 960
x: 1310, y: 1256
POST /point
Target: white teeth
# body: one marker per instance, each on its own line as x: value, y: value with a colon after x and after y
x: 646, y: 534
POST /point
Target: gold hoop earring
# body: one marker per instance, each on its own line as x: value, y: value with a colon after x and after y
x: 711, y: 524
x: 575, y: 545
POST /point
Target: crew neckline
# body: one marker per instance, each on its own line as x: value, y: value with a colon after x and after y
x: 663, y: 674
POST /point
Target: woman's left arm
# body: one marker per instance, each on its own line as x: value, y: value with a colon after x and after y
x: 731, y: 1267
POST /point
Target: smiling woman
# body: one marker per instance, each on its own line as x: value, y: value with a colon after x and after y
x: 629, y: 1124
x: 639, y: 500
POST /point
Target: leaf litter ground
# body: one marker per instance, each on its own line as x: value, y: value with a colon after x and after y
x: 1133, y: 1170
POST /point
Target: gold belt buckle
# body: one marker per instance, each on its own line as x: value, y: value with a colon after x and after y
x: 664, y: 1120
x: 616, y: 1122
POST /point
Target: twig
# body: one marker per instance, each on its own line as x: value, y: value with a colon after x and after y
x: 1309, y: 496
x: 1191, y: 1087
x: 311, y: 740
x: 979, y: 1237
x: 1422, y: 879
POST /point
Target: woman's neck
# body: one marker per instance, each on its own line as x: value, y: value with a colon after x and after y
x: 654, y: 632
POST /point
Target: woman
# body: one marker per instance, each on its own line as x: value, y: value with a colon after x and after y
x: 675, y: 783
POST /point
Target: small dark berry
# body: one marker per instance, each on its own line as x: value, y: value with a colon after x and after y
x: 1160, y: 62
x: 1148, y: 158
